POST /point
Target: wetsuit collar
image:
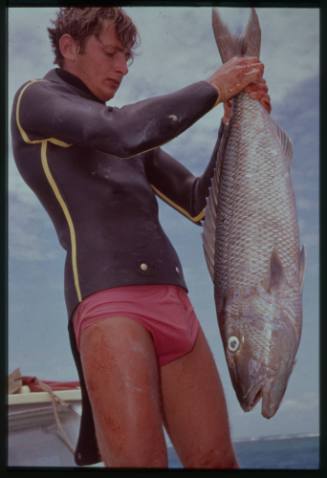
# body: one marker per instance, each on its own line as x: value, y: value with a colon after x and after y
x: 72, y: 80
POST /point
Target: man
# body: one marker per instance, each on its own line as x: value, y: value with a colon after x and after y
x: 141, y: 355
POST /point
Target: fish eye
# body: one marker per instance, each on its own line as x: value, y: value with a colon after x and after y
x: 233, y: 343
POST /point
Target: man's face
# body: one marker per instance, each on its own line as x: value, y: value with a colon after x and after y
x: 103, y: 63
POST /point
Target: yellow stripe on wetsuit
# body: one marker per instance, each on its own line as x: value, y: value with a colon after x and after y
x: 177, y: 207
x: 45, y: 165
x: 23, y: 133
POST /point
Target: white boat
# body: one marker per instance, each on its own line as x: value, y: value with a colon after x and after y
x: 43, y: 426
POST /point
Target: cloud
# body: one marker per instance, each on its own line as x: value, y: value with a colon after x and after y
x: 180, y: 41
x: 174, y: 53
x: 178, y: 47
x: 30, y: 231
x: 308, y: 401
x: 30, y: 53
x: 18, y: 187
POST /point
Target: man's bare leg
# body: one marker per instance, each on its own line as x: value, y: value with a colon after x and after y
x: 195, y: 410
x: 121, y: 374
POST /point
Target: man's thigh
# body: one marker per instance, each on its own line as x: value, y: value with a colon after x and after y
x: 121, y: 374
x: 195, y: 409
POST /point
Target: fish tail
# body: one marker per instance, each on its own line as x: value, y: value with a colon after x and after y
x: 229, y: 45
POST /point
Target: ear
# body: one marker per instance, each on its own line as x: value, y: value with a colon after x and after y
x: 69, y: 48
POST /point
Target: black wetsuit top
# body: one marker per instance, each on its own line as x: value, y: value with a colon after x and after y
x: 97, y: 170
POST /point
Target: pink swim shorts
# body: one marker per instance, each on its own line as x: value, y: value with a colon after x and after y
x: 164, y: 310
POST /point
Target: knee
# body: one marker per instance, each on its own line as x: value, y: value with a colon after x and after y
x: 212, y: 458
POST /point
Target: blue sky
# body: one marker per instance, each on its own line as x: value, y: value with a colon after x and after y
x: 177, y: 48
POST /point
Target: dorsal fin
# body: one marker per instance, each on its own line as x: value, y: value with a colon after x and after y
x: 210, y: 218
x: 284, y: 139
x: 286, y: 143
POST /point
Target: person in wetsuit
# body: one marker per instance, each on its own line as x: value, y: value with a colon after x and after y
x: 141, y: 355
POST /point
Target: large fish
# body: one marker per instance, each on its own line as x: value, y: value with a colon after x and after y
x: 251, y: 242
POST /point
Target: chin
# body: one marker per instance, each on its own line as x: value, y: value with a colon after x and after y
x: 106, y: 96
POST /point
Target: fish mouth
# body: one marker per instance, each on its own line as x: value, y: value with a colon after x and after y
x: 272, y: 397
x: 252, y: 397
x: 270, y: 404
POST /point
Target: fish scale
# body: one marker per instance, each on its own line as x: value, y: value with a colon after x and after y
x: 243, y: 238
x: 251, y: 243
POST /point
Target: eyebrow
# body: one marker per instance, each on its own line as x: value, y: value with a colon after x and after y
x: 117, y: 48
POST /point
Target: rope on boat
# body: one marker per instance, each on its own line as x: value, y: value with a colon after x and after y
x: 56, y: 400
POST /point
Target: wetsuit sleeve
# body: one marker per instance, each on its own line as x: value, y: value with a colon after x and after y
x: 177, y: 186
x: 44, y: 111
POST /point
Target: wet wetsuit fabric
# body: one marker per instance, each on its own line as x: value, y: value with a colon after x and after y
x: 97, y: 170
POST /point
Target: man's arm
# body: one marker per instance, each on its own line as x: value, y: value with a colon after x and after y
x: 45, y: 111
x: 177, y: 186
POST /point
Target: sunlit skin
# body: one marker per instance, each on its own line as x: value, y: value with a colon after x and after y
x: 101, y: 65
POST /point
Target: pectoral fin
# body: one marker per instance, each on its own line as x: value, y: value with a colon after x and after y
x: 276, y: 273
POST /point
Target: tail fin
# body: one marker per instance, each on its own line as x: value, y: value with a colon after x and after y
x: 230, y: 45
x: 252, y: 36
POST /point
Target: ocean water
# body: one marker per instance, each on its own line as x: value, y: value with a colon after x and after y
x: 300, y: 453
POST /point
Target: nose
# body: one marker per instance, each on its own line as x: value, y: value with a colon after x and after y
x: 121, y: 64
